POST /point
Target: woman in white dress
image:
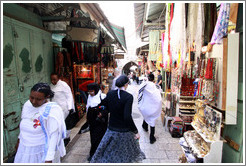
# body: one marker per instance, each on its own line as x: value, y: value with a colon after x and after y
x: 42, y: 128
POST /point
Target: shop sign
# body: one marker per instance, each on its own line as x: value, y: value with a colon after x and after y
x: 119, y: 56
x: 83, y: 34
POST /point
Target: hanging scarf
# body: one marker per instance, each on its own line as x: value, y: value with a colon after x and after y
x: 200, y: 30
x: 222, y: 24
x: 153, y: 45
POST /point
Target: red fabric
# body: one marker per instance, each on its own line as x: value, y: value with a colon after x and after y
x: 209, y: 69
x: 76, y: 50
x: 169, y: 48
x: 59, y: 62
x: 83, y: 86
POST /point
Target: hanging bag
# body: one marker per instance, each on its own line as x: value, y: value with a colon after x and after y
x: 72, y: 119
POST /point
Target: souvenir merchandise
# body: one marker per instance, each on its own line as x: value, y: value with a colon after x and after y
x: 222, y: 24
x: 207, y: 89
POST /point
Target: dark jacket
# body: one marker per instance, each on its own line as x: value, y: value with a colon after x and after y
x: 120, y: 111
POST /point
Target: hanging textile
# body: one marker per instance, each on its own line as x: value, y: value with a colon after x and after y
x: 165, y: 37
x: 209, y: 69
x: 210, y: 17
x: 159, y: 61
x: 192, y: 22
x: 153, y: 45
x: 169, y: 33
x: 222, y: 24
x: 199, y: 29
x: 59, y: 63
x: 178, y: 31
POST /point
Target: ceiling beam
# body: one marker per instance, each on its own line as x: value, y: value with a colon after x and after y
x: 151, y: 24
x: 144, y: 20
x: 62, y: 18
x: 58, y: 10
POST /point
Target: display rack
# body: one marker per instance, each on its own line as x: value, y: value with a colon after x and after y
x: 186, y: 109
x: 204, y: 141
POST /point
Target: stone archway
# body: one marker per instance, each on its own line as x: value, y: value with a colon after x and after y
x: 126, y: 69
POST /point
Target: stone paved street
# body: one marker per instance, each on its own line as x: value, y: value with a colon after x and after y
x: 165, y: 150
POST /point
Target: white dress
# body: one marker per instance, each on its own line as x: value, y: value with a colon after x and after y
x: 33, y: 139
x: 150, y: 104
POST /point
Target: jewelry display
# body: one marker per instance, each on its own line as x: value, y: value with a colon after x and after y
x: 204, y: 141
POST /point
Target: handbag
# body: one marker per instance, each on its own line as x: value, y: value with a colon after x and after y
x: 72, y: 119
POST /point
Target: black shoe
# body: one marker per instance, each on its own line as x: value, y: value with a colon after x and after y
x: 152, y: 139
x: 66, y: 141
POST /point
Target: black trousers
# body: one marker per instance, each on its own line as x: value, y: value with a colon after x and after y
x: 152, y: 129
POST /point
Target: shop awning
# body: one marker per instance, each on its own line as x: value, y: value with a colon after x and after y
x: 120, y: 34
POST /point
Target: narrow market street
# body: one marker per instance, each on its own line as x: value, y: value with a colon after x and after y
x: 165, y: 150
x: 181, y: 62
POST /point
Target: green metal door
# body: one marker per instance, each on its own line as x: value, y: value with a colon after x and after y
x: 27, y: 51
x: 11, y: 98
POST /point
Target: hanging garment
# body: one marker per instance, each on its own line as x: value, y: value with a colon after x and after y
x: 199, y: 29
x: 169, y: 33
x: 192, y: 22
x: 75, y: 23
x: 59, y: 63
x: 178, y: 31
x: 209, y: 69
x: 153, y: 45
x: 159, y: 61
x: 222, y: 24
x: 66, y: 57
x: 210, y: 16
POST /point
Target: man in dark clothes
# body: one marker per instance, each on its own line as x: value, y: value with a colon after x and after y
x: 159, y: 79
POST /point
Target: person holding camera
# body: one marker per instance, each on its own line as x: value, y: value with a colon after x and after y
x: 63, y: 97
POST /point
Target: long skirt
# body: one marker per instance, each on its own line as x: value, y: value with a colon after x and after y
x: 118, y: 147
x: 33, y: 154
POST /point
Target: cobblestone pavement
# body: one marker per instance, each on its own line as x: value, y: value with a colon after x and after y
x: 165, y: 150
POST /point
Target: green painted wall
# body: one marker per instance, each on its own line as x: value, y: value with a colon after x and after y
x: 15, y: 11
x: 27, y: 60
x: 235, y: 132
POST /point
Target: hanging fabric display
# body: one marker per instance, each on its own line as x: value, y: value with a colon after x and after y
x: 153, y: 45
x: 209, y: 69
x: 210, y: 17
x: 59, y: 63
x: 192, y: 19
x: 165, y: 37
x: 222, y: 24
x: 207, y: 89
x: 178, y: 31
x: 169, y: 32
x: 159, y: 61
x: 199, y: 29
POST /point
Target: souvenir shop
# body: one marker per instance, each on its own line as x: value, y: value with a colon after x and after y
x: 80, y: 61
x: 198, y: 54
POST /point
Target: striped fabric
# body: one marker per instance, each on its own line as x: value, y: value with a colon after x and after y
x: 140, y: 93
